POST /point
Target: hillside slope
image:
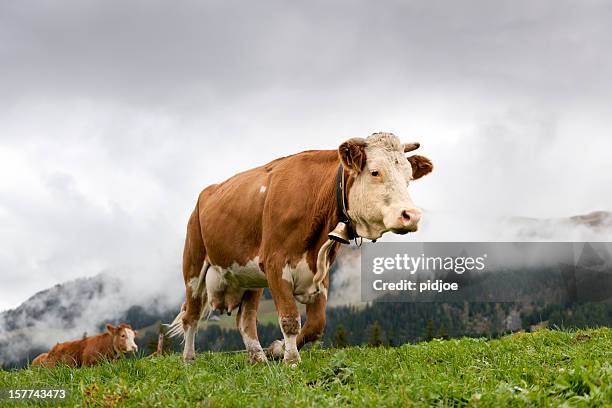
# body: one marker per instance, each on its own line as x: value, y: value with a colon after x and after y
x: 544, y: 368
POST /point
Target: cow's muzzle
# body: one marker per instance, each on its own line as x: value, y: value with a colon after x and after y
x: 407, y: 221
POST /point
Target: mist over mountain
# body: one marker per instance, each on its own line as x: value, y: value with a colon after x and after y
x: 597, y: 225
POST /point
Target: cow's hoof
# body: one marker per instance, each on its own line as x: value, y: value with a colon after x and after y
x: 292, y: 358
x: 256, y: 357
x: 276, y: 350
x: 188, y: 358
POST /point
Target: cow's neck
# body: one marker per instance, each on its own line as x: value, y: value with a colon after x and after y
x: 107, y: 347
x: 336, y: 212
x: 325, y: 216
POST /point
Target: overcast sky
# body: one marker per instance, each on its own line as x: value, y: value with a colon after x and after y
x: 114, y: 115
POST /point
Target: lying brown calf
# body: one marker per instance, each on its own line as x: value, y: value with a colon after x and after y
x: 91, y: 350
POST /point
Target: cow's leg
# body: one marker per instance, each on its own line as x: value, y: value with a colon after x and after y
x: 312, y: 330
x: 288, y: 315
x: 315, y: 321
x: 194, y: 274
x: 194, y: 307
x: 246, y: 320
x: 195, y: 300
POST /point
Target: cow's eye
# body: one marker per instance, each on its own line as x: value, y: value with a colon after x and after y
x: 374, y: 173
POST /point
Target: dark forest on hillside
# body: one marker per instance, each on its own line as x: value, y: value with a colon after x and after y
x: 393, y: 324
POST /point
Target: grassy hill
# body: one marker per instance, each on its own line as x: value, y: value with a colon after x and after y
x: 545, y: 367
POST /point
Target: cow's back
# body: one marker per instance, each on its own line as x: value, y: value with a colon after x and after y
x: 68, y: 353
x: 233, y: 206
x: 238, y: 216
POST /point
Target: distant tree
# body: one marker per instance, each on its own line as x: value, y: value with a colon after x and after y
x: 161, y: 343
x: 84, y: 335
x: 340, y: 340
x: 429, y: 333
x: 376, y: 335
x: 443, y: 333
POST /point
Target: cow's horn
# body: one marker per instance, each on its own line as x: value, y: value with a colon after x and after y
x: 408, y: 147
x: 340, y: 234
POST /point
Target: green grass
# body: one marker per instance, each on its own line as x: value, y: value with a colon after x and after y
x: 547, y: 368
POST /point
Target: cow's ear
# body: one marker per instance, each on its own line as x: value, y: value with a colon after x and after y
x: 421, y: 166
x: 352, y: 154
x: 111, y: 329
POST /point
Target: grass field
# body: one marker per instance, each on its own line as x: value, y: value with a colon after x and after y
x: 548, y: 368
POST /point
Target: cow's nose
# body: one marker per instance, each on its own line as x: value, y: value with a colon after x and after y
x: 410, y: 217
x: 135, y: 348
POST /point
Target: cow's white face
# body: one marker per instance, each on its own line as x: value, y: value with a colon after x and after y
x: 123, y: 337
x: 378, y: 200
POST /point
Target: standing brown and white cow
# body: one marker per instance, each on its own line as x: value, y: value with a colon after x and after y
x: 269, y: 226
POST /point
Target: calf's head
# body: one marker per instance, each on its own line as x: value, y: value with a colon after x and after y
x: 123, y: 337
x: 378, y: 199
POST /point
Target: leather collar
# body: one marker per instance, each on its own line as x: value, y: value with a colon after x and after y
x: 341, y: 202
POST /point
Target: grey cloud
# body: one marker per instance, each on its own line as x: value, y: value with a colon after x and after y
x: 114, y: 115
x: 197, y: 53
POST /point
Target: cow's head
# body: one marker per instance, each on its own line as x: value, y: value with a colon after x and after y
x: 378, y: 199
x: 123, y: 337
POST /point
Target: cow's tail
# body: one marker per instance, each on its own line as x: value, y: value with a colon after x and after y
x: 176, y: 327
x: 323, y: 264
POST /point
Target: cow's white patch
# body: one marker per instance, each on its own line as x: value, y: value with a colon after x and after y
x: 287, y: 275
x: 226, y: 286
x: 323, y: 291
x: 131, y: 344
x: 291, y: 343
x: 262, y: 189
x: 291, y: 354
x: 193, y: 285
x: 301, y: 278
x: 215, y: 288
x: 255, y: 353
x: 246, y: 276
x: 252, y: 345
x: 189, y: 350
